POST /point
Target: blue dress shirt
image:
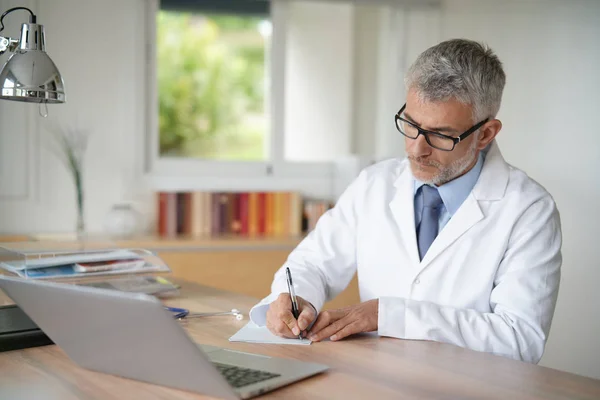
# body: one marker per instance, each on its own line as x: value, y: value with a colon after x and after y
x: 453, y: 194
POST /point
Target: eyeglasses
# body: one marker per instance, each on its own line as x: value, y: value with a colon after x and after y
x: 434, y: 139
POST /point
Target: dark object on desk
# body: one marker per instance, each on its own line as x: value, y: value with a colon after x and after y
x: 18, y: 331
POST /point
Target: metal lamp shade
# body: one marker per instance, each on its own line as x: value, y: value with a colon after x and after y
x: 31, y: 76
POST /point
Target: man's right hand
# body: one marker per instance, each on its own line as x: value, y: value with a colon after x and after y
x: 281, y: 321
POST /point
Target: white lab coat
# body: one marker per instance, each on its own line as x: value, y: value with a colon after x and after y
x: 489, y: 281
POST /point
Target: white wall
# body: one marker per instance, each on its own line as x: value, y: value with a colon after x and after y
x: 551, y: 55
x: 318, y: 115
x: 366, y: 39
x: 100, y: 55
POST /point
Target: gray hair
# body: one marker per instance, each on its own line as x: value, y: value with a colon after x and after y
x: 462, y: 69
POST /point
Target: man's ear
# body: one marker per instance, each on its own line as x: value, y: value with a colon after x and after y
x: 489, y: 131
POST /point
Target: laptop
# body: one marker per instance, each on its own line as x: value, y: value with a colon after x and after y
x: 133, y: 336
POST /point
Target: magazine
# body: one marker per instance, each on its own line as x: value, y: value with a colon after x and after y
x: 69, y: 271
x: 51, y: 261
x: 82, y: 265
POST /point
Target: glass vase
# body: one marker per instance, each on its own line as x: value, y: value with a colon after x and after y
x: 80, y: 227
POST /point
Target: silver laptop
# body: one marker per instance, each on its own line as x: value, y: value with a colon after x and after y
x: 133, y: 336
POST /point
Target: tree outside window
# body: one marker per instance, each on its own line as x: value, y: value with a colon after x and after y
x: 212, y: 86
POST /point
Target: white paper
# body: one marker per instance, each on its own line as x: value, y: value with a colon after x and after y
x: 253, y: 333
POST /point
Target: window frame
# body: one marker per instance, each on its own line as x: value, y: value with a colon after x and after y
x: 176, y: 173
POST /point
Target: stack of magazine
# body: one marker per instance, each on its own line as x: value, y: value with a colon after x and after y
x: 106, y: 262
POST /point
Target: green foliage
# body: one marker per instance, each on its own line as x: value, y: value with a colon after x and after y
x: 211, y: 84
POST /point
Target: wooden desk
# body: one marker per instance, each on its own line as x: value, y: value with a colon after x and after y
x: 365, y: 367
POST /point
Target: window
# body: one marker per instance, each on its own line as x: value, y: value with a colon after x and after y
x: 281, y: 129
x: 213, y: 81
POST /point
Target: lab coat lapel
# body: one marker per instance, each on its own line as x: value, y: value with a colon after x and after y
x: 490, y: 186
x: 402, y: 208
x: 467, y: 215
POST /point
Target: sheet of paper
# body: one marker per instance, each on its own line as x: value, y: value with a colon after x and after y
x: 252, y: 333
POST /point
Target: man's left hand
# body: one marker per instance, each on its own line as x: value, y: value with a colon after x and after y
x: 337, y: 324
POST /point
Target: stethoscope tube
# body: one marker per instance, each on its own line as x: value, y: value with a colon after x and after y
x: 180, y: 313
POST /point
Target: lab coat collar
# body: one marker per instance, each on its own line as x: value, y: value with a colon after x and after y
x: 493, y: 180
x: 491, y: 185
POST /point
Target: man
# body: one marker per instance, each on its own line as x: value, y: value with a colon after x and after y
x: 451, y: 244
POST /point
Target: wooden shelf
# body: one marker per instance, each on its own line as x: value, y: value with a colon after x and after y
x: 229, y: 243
x: 182, y: 243
x: 14, y: 238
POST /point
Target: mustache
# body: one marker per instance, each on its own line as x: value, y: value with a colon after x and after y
x: 420, y: 160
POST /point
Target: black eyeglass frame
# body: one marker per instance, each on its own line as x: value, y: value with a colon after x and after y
x: 426, y: 133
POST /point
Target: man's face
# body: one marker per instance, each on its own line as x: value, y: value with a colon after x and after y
x: 451, y: 118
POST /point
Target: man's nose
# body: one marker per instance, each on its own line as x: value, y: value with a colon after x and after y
x: 419, y: 147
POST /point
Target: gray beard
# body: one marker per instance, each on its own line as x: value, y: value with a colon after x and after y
x: 452, y: 171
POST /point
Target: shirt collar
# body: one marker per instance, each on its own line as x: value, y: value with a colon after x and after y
x: 455, y: 192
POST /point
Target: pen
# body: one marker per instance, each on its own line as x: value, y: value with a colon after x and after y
x: 292, y: 296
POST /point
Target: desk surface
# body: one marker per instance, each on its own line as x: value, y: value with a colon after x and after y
x: 362, y: 367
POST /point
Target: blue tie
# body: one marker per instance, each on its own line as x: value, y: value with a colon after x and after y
x: 428, y: 228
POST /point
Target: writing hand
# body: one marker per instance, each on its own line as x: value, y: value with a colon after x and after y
x: 340, y: 323
x: 281, y: 321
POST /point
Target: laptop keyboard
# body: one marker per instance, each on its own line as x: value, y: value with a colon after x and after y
x: 239, y: 377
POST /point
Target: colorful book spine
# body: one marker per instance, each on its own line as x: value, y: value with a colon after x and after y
x: 201, y: 213
x: 261, y: 213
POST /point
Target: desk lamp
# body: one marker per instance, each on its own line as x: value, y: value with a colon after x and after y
x: 29, y: 75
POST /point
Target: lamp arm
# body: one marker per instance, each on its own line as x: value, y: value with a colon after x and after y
x: 7, y: 43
